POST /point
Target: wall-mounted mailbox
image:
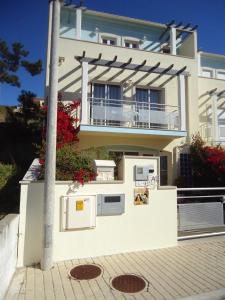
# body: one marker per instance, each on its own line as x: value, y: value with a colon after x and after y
x: 143, y: 172
x: 104, y: 169
x: 109, y: 205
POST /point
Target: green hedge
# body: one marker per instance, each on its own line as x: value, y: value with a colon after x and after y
x: 6, y: 172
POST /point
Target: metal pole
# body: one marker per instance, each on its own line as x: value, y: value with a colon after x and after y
x: 50, y: 158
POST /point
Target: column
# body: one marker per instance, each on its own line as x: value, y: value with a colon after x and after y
x: 78, y: 23
x: 84, y: 107
x: 173, y: 41
x: 215, y: 127
x: 182, y: 101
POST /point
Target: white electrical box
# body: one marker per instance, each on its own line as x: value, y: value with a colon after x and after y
x: 104, y: 169
x: 78, y: 212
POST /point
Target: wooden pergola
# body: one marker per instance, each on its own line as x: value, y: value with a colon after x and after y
x: 129, y: 65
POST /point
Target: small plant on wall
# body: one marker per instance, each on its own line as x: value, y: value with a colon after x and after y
x: 70, y: 163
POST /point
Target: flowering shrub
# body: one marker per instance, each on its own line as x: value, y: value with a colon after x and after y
x: 66, y: 124
x: 70, y: 164
x: 208, y: 164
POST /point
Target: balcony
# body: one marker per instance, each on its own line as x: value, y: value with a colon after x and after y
x: 132, y: 114
x: 137, y: 114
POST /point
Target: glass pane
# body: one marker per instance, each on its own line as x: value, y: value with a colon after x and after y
x: 163, y: 170
x: 141, y: 95
x: 114, y: 92
x: 155, y: 98
x: 99, y: 90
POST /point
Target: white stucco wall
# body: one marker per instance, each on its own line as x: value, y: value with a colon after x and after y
x: 139, y: 228
x: 8, y: 250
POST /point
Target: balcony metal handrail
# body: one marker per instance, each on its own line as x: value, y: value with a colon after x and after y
x: 135, y: 102
x: 131, y: 113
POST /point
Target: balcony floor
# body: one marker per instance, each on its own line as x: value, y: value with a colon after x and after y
x: 193, y: 267
x: 130, y: 130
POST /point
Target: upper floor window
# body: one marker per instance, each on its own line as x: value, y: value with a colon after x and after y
x: 220, y: 75
x: 207, y: 73
x: 152, y: 97
x: 131, y: 44
x: 108, y: 41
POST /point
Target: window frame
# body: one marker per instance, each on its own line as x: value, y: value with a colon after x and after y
x: 127, y: 39
x: 208, y: 70
x: 162, y: 93
x: 108, y: 36
x: 220, y: 71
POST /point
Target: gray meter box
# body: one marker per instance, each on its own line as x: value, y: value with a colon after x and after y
x: 110, y: 205
x: 142, y: 172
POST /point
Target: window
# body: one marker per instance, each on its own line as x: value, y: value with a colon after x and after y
x: 163, y: 170
x: 109, y: 41
x: 207, y: 73
x: 185, y: 169
x: 152, y: 97
x: 131, y: 44
x: 104, y: 98
x: 148, y: 101
x: 220, y: 75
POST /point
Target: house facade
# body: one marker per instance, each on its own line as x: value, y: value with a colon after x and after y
x: 143, y: 87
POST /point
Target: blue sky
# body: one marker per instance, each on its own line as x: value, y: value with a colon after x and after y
x: 26, y: 21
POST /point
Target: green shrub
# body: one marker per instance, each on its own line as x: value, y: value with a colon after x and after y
x: 6, y: 172
x: 69, y: 162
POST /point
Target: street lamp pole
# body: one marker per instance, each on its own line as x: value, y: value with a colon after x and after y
x: 51, y: 133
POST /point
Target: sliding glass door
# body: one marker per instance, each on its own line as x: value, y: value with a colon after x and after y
x: 150, y: 108
x: 106, y: 104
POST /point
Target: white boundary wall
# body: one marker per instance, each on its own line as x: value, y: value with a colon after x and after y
x: 8, y: 250
x: 141, y: 227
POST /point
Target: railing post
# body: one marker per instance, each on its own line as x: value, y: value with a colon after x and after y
x: 182, y: 101
x: 78, y: 22
x: 84, y: 106
x: 173, y: 41
x: 215, y: 129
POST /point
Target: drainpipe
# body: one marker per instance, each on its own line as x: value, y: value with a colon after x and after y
x: 50, y: 156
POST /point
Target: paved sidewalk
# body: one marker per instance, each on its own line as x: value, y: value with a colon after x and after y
x: 192, y: 268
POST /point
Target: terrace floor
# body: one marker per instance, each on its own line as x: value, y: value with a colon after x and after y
x: 193, y: 267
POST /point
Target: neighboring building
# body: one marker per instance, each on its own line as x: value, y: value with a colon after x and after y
x: 140, y: 84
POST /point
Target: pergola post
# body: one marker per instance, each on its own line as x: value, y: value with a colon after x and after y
x: 173, y: 41
x: 84, y: 107
x: 182, y: 101
x: 78, y: 22
x: 215, y: 128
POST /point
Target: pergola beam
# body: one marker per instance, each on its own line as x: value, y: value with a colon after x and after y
x: 130, y: 66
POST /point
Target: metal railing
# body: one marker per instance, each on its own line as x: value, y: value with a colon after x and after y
x: 129, y: 113
x: 201, y: 209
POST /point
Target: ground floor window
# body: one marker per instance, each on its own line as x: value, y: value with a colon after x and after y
x: 185, y: 169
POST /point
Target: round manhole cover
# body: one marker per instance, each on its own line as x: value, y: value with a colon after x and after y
x: 85, y: 272
x: 128, y: 283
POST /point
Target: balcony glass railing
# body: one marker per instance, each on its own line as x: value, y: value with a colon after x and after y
x: 126, y: 113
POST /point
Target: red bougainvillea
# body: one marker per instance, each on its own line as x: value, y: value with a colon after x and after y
x: 67, y: 123
x: 83, y: 175
x: 208, y: 164
x: 70, y: 164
